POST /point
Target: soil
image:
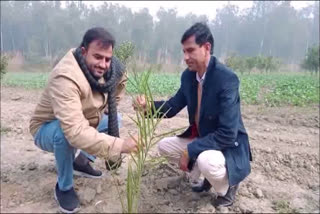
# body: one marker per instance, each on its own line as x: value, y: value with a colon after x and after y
x: 284, y: 176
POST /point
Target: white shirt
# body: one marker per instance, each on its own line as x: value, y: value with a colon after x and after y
x: 201, y: 80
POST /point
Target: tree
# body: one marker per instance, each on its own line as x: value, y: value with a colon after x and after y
x: 45, y: 30
x: 224, y: 33
x: 165, y: 35
x: 237, y: 63
x: 124, y: 52
x: 311, y: 61
x: 3, y: 65
x: 141, y: 32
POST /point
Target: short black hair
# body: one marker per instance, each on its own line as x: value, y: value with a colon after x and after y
x: 202, y: 33
x: 98, y: 33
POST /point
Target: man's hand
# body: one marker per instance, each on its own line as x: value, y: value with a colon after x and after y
x: 139, y: 103
x: 184, y: 161
x: 130, y: 145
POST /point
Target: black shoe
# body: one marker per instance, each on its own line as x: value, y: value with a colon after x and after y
x: 86, y: 171
x: 204, y: 187
x: 228, y: 199
x: 68, y: 200
x: 113, y: 165
x: 82, y: 167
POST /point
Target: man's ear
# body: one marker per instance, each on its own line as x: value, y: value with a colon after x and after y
x: 83, y: 51
x: 207, y: 46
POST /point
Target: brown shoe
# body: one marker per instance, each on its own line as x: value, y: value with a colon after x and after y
x: 228, y: 199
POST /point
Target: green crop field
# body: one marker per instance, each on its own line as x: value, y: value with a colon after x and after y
x: 279, y: 89
x: 275, y: 89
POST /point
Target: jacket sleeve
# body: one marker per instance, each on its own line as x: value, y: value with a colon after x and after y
x: 174, y: 105
x: 228, y: 119
x: 65, y: 98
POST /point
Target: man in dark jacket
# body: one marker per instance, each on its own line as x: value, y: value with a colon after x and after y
x: 216, y: 144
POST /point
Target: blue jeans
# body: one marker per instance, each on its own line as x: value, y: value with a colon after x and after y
x: 50, y: 138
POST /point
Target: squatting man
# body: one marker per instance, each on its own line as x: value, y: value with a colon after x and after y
x: 76, y: 117
x: 216, y: 144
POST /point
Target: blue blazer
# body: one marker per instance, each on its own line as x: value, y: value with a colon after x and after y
x: 220, y: 122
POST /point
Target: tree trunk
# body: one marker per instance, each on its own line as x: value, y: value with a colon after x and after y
x: 264, y: 30
x: 1, y: 41
x: 46, y: 48
x: 158, y: 56
x: 12, y: 42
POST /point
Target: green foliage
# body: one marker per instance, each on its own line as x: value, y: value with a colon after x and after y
x: 5, y: 129
x: 28, y: 80
x: 3, y: 65
x: 237, y: 63
x: 147, y: 138
x: 250, y: 63
x: 267, y: 63
x: 160, y: 84
x: 311, y: 61
x: 279, y: 89
x: 47, y: 28
x: 124, y: 52
x: 274, y: 89
x: 263, y: 63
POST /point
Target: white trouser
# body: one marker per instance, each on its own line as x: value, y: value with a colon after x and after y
x: 211, y: 163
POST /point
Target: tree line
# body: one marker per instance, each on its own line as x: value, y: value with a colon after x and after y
x: 44, y: 30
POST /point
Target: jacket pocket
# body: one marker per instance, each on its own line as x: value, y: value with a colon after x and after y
x: 240, y: 156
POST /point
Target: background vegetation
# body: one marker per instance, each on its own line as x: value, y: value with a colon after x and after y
x: 265, y: 44
x: 42, y: 31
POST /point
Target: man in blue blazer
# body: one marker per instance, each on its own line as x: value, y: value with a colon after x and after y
x: 216, y: 144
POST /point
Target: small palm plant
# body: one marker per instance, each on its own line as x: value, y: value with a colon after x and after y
x: 147, y: 125
x: 147, y: 138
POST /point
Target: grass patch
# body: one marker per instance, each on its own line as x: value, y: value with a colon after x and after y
x: 283, y: 207
x: 274, y: 89
x: 279, y: 89
x: 162, y: 84
x: 5, y: 129
x: 27, y: 80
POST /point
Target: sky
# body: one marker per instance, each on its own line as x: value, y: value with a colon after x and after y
x: 183, y: 7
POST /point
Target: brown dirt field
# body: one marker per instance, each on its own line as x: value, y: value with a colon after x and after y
x: 284, y: 177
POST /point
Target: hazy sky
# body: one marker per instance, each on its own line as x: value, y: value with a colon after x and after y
x: 183, y: 7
